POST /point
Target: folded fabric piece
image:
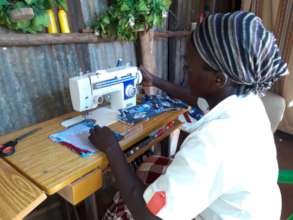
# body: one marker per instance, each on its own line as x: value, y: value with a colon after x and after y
x: 76, y: 138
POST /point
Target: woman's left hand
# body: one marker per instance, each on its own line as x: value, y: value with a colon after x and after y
x: 103, y: 138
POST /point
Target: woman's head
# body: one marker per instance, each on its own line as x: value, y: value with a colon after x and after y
x: 202, y: 79
x: 235, y: 51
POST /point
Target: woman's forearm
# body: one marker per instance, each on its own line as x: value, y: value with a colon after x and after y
x: 175, y: 91
x: 131, y: 188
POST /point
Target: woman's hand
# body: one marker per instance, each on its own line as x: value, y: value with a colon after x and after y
x: 149, y: 78
x: 103, y: 138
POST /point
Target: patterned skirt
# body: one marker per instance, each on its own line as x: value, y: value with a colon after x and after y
x: 148, y: 172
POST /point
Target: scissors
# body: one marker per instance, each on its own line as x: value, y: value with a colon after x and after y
x: 8, y: 148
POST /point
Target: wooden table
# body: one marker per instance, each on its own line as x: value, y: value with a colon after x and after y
x: 52, y: 167
x: 18, y: 195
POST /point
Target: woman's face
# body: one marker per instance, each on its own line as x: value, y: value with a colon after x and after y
x: 200, y: 76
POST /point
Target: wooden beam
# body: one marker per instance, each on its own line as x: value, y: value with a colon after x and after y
x: 20, y: 40
x: 8, y: 40
x: 169, y: 34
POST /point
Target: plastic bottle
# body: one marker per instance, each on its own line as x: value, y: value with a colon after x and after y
x: 52, y: 27
x: 63, y: 21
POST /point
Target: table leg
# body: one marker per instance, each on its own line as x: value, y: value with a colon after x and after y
x: 169, y: 144
x: 91, y: 208
x: 67, y: 210
x: 182, y: 136
x: 76, y: 214
x: 164, y: 144
x: 174, y: 137
x: 85, y: 210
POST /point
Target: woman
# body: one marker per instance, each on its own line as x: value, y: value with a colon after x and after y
x: 227, y: 168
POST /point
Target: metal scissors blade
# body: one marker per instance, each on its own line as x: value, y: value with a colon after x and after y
x: 27, y: 134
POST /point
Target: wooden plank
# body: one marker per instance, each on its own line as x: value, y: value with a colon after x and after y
x: 75, y: 16
x: 52, y: 166
x: 13, y: 39
x: 18, y: 196
x: 22, y: 40
x: 169, y: 34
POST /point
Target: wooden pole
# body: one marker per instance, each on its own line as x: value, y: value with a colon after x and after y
x: 22, y: 40
x: 147, y: 52
x: 171, y: 34
x: 12, y: 39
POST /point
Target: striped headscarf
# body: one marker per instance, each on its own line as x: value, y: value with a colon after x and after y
x: 238, y: 45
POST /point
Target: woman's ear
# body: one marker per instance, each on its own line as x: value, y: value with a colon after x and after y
x: 221, y: 79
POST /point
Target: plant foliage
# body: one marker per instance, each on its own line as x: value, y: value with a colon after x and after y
x: 124, y: 18
x: 37, y: 23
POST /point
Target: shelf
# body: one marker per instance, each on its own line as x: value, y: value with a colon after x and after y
x: 21, y: 40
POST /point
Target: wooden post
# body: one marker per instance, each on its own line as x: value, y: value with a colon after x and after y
x: 146, y: 39
x: 184, y: 14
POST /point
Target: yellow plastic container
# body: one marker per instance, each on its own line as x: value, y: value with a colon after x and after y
x: 63, y: 21
x: 52, y: 27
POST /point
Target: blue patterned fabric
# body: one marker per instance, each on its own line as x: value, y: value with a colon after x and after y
x: 149, y: 107
x: 238, y: 45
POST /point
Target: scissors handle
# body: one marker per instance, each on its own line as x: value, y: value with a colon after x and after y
x: 8, y: 148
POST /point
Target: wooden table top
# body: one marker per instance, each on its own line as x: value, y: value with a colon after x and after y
x: 52, y: 166
x: 18, y: 195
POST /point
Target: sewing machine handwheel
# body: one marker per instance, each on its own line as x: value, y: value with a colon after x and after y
x: 130, y: 91
x: 139, y: 77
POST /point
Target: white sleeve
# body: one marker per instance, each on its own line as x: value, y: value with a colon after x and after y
x: 192, y: 181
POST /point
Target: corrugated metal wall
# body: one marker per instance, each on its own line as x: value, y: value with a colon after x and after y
x: 34, y: 80
x: 34, y: 83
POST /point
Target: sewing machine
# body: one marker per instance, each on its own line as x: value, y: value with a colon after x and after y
x: 118, y: 85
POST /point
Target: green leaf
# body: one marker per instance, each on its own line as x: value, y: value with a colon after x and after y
x: 19, y: 5
x: 62, y: 4
x: 22, y: 25
x: 7, y: 20
x: 29, y: 2
x: 142, y: 6
x: 125, y: 7
x: 167, y: 3
x: 115, y: 22
x: 3, y: 2
x: 41, y: 20
x: 46, y: 4
x: 105, y: 20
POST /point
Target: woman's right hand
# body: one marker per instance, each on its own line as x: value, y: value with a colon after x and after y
x: 149, y: 78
